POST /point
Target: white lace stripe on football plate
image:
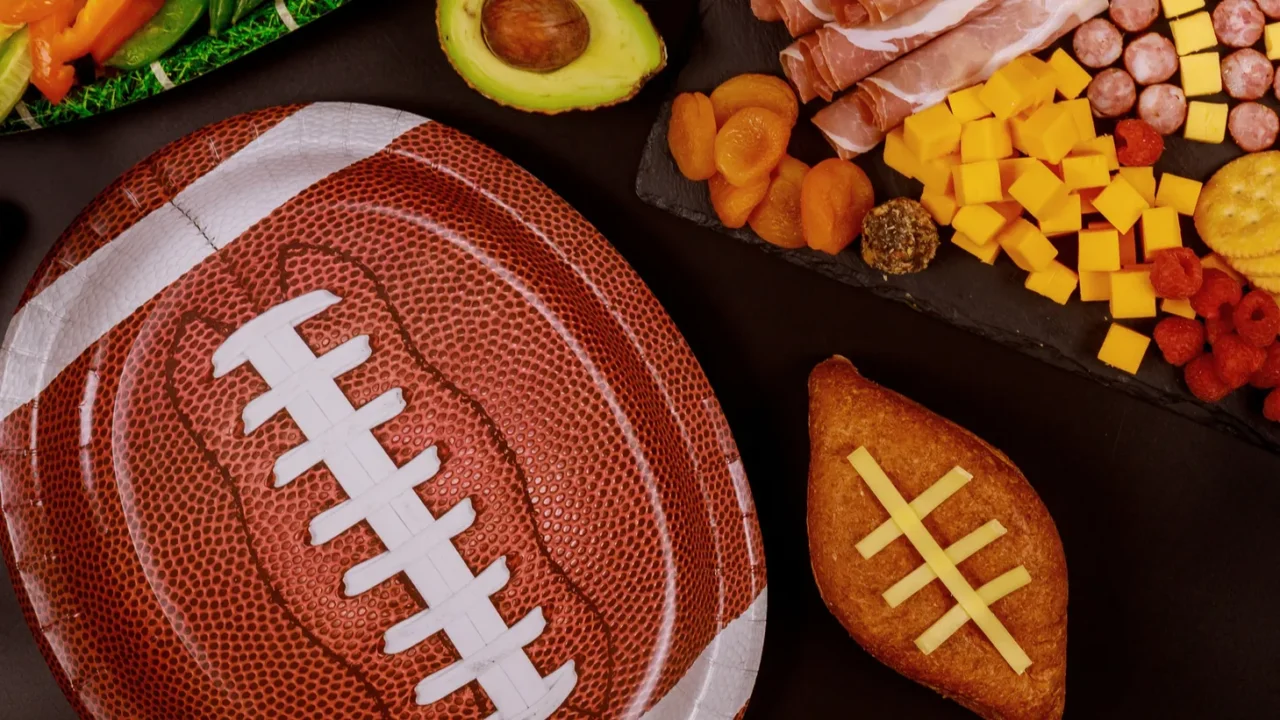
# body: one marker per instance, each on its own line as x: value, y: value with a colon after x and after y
x: 335, y: 363
x: 561, y: 682
x: 379, y: 569
x: 234, y: 351
x: 443, y: 683
x: 513, y: 684
x: 408, y: 633
x: 356, y: 509
x: 339, y: 435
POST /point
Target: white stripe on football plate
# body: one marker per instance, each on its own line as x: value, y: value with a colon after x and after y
x: 719, y: 682
x: 162, y: 77
x: 286, y: 17
x: 66, y: 318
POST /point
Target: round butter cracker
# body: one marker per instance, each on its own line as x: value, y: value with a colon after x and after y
x: 1265, y: 266
x: 1270, y: 284
x: 1238, y: 215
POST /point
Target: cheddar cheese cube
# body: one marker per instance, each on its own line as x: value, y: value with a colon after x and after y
x: 1026, y: 245
x: 1087, y: 196
x: 1120, y: 204
x: 1143, y: 179
x: 1104, y: 145
x: 1128, y: 243
x: 1174, y: 8
x: 1046, y: 82
x: 1180, y: 307
x: 986, y: 253
x: 1124, y: 349
x: 1011, y: 210
x: 1215, y: 261
x: 932, y: 133
x: 1099, y: 251
x: 1082, y: 113
x: 1206, y: 122
x: 1179, y: 193
x: 1272, y: 36
x: 1201, y: 74
x: 1072, y: 79
x: 942, y: 206
x: 1011, y: 170
x: 1132, y: 295
x: 1193, y: 33
x: 1009, y: 91
x: 1066, y: 220
x: 1056, y: 282
x: 977, y: 183
x: 1039, y: 191
x: 967, y: 105
x: 979, y: 222
x: 936, y: 173
x: 1160, y: 231
x: 1095, y: 286
x: 1085, y: 171
x: 1050, y: 133
x: 985, y: 139
x: 898, y: 156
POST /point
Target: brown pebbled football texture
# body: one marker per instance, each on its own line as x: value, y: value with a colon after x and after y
x: 916, y: 448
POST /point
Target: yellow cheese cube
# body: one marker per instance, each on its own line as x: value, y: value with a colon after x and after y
x: 1085, y: 171
x: 1179, y: 193
x: 1174, y: 8
x: 1206, y: 122
x: 967, y: 105
x: 1056, y: 282
x: 979, y: 222
x: 978, y: 182
x: 1099, y: 251
x: 985, y: 139
x: 1027, y: 246
x: 1143, y: 179
x: 898, y: 157
x: 1011, y: 170
x: 1124, y: 349
x: 1160, y: 231
x: 1132, y: 295
x: 1201, y: 74
x: 936, y: 173
x: 1087, y: 196
x: 1273, y: 41
x: 1193, y: 33
x: 1050, y: 133
x: 1178, y: 307
x: 1215, y: 261
x: 1120, y: 204
x: 1066, y: 220
x: 1104, y: 145
x: 1071, y: 78
x: 1095, y: 286
x: 986, y: 253
x: 932, y: 133
x: 1009, y: 91
x: 1046, y: 82
x: 1082, y: 113
x: 942, y: 206
x: 1023, y: 141
x: 1039, y: 191
x: 1010, y: 210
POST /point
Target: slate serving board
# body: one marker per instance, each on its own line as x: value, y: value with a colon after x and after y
x: 956, y: 288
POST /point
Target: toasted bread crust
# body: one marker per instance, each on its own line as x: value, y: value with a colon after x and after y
x: 916, y: 448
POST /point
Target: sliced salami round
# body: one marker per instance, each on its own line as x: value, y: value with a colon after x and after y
x: 1151, y: 59
x: 1270, y: 8
x: 1163, y: 107
x: 1137, y: 15
x: 1254, y: 127
x: 1112, y: 93
x: 1247, y: 74
x: 1238, y: 23
x: 1098, y: 43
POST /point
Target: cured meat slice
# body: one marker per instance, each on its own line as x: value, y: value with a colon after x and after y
x: 1163, y: 107
x: 965, y: 56
x: 1151, y: 59
x: 1135, y: 15
x: 851, y: 13
x: 1098, y: 43
x: 1238, y: 23
x: 1246, y: 74
x: 880, y: 10
x: 1254, y: 127
x: 804, y: 16
x: 1271, y: 8
x: 766, y: 10
x: 797, y: 65
x: 852, y: 54
x: 1112, y: 93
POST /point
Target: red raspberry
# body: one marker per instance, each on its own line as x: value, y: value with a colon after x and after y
x: 1271, y: 406
x: 1217, y: 289
x: 1269, y: 375
x: 1203, y: 381
x: 1176, y: 273
x: 1180, y: 340
x: 1219, y: 327
x: 1137, y: 143
x: 1257, y: 318
x: 1235, y: 360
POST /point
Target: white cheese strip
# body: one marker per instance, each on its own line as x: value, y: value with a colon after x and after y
x: 956, y: 617
x: 925, y: 503
x: 933, y: 554
x: 959, y: 551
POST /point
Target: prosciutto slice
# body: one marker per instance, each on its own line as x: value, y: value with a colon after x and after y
x: 852, y: 54
x: 804, y: 16
x: 965, y: 56
x: 766, y: 10
x: 880, y: 10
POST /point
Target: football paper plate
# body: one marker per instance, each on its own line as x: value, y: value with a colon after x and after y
x: 331, y: 411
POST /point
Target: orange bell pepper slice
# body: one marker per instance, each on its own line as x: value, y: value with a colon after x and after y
x: 135, y: 15
x: 25, y: 12
x: 93, y: 20
x: 51, y: 75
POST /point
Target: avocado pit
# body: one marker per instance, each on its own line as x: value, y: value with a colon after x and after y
x: 535, y: 35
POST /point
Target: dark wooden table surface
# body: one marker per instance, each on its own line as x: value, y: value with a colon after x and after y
x: 1171, y: 530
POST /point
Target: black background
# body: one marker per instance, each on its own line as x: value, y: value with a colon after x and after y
x: 1170, y: 528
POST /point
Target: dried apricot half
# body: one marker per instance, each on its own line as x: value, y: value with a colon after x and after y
x: 754, y: 90
x: 777, y: 218
x: 750, y: 145
x: 834, y: 199
x: 691, y: 136
x: 733, y: 204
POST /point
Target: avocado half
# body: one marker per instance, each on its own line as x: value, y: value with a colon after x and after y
x: 550, y: 56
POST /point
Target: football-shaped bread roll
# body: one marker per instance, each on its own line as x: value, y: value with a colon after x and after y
x: 895, y: 596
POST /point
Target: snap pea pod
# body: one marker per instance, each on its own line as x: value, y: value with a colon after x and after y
x: 15, y: 70
x: 220, y: 12
x: 243, y: 8
x: 162, y: 32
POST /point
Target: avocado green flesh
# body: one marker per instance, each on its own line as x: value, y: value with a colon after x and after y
x: 623, y: 52
x: 15, y: 70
